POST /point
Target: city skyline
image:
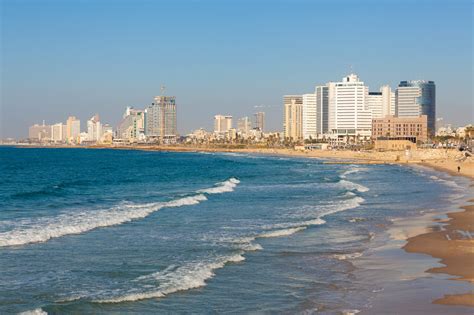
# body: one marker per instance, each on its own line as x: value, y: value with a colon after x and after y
x: 59, y: 68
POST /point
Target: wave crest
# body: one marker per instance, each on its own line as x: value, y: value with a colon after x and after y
x: 174, y: 279
x: 44, y: 229
x: 222, y: 187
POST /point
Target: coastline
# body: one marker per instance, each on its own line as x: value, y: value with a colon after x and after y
x: 452, y: 246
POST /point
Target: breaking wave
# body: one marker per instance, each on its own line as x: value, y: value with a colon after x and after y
x: 174, y: 279
x: 37, y: 311
x: 345, y: 184
x: 222, y: 187
x: 44, y: 229
x: 283, y: 232
x: 348, y: 256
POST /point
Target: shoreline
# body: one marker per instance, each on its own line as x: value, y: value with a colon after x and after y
x: 452, y: 248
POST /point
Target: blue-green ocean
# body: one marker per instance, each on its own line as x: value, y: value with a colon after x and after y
x: 87, y: 231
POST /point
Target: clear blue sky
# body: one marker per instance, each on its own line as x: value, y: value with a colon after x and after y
x: 74, y: 57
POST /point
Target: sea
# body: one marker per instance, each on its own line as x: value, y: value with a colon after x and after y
x: 101, y: 231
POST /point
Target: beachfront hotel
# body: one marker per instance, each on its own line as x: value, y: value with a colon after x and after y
x: 349, y: 114
x: 160, y: 121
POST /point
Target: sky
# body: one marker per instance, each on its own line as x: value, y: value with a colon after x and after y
x: 236, y: 57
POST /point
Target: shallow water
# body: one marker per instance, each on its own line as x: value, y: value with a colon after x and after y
x: 98, y: 231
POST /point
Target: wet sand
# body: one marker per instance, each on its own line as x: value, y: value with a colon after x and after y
x: 454, y: 247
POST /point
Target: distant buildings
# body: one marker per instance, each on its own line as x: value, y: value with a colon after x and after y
x: 132, y: 126
x: 244, y: 125
x: 260, y: 121
x: 322, y: 109
x: 160, y: 121
x: 222, y: 123
x: 94, y: 128
x: 309, y: 116
x: 58, y: 132
x: 73, y: 129
x: 39, y: 133
x: 293, y: 117
x: 416, y: 98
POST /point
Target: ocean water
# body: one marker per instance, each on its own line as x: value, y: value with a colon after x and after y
x: 117, y: 231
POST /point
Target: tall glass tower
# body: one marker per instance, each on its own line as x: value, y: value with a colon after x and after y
x: 416, y: 98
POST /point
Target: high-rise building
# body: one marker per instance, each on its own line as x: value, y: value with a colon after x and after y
x: 94, y: 128
x: 416, y: 98
x: 160, y: 121
x: 260, y: 121
x: 322, y: 104
x: 348, y: 112
x: 58, y: 132
x: 132, y: 126
x: 222, y: 123
x: 309, y: 119
x: 244, y: 125
x: 39, y: 132
x: 293, y: 117
x: 73, y: 129
x: 381, y: 103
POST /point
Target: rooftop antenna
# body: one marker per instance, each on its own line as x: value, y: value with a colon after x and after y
x: 162, y: 88
x: 352, y: 69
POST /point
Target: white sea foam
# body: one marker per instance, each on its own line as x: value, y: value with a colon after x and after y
x: 37, y: 311
x: 317, y: 221
x: 44, y: 229
x: 450, y: 183
x: 174, y: 279
x: 349, y: 171
x: 346, y: 205
x: 347, y: 256
x: 222, y: 187
x: 282, y: 232
x: 345, y: 184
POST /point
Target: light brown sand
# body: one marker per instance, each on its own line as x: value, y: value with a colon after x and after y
x: 454, y: 248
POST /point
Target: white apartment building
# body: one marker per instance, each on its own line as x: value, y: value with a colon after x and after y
x: 94, y: 128
x: 309, y: 119
x: 222, y: 123
x: 58, y: 132
x: 349, y: 115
